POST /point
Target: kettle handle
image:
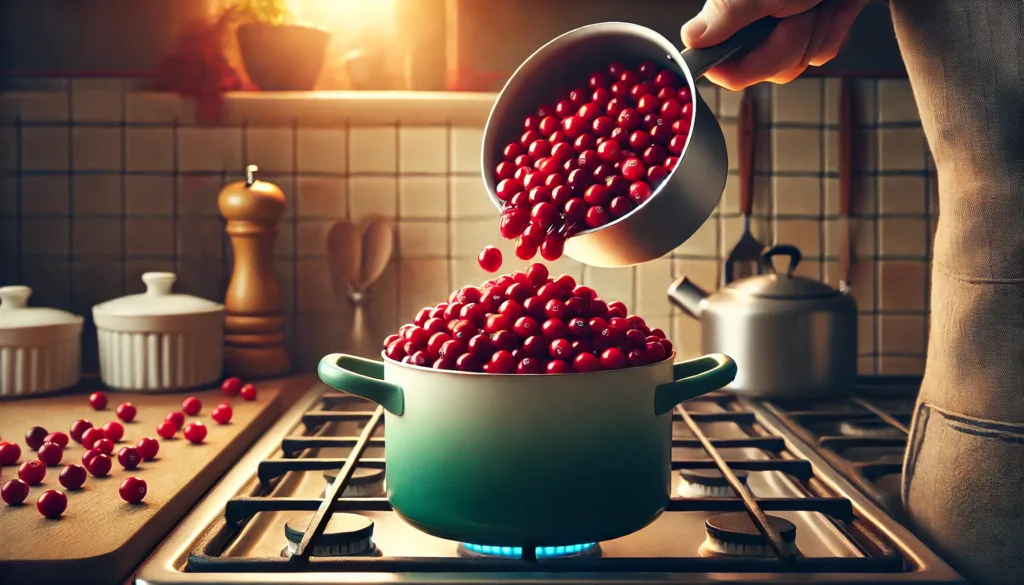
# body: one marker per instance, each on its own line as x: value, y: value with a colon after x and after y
x: 699, y: 61
x: 785, y: 250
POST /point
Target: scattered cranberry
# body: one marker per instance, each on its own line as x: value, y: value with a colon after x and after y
x: 72, y: 477
x: 99, y: 465
x: 129, y: 457
x: 132, y: 490
x: 52, y: 504
x: 9, y: 453
x: 248, y: 392
x: 58, y: 438
x: 50, y: 454
x: 231, y: 386
x: 91, y: 435
x: 77, y: 428
x: 113, y: 430
x: 148, y: 447
x: 166, y: 429
x: 489, y: 259
x: 98, y: 400
x: 195, y: 432
x: 104, y: 445
x: 176, y: 418
x: 88, y: 456
x: 14, y: 492
x: 222, y: 414
x: 126, y: 412
x: 35, y: 437
x: 32, y: 472
x: 191, y: 406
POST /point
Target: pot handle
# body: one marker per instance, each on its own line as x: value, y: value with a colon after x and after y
x: 699, y: 61
x: 694, y: 378
x: 363, y: 378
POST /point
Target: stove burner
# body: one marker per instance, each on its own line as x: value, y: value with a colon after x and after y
x: 707, y: 483
x: 735, y: 535
x: 477, y: 551
x: 365, y: 482
x: 868, y: 428
x: 346, y: 535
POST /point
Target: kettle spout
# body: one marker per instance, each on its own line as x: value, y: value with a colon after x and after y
x: 687, y: 296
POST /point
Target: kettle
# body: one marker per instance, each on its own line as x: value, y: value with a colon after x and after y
x: 790, y: 336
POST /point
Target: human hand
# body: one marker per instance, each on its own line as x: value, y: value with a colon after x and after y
x: 811, y: 32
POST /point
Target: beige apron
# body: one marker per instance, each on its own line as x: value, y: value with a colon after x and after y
x: 963, y: 484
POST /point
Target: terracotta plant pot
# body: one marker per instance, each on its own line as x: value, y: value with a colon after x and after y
x: 282, y: 57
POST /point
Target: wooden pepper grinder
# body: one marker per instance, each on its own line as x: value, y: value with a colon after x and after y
x: 254, y: 344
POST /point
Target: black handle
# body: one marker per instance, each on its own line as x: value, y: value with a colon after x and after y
x: 785, y: 250
x: 686, y: 295
x: 698, y: 61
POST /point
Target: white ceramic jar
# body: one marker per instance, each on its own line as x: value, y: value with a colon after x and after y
x: 159, y: 340
x: 40, y: 348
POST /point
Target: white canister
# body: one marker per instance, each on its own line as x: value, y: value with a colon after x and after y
x: 159, y: 340
x: 40, y: 348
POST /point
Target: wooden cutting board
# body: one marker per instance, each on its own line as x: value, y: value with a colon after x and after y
x: 100, y: 538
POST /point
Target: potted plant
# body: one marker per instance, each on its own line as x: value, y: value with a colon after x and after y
x: 278, y: 54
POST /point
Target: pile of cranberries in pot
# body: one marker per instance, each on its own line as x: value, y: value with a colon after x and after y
x: 527, y: 323
x: 590, y: 156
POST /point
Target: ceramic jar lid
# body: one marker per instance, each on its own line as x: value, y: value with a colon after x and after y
x: 157, y: 309
x: 24, y: 325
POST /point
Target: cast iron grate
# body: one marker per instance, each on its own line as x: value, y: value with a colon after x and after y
x: 878, y: 555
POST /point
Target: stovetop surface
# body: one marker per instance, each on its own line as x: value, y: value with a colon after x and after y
x: 236, y: 535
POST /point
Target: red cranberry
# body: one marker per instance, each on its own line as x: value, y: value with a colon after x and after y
x: 539, y: 149
x: 129, y: 457
x: 510, y: 152
x: 670, y: 109
x: 596, y: 217
x: 525, y: 327
x: 52, y: 504
x: 567, y: 282
x: 620, y: 206
x: 504, y: 170
x: 35, y: 437
x: 584, y: 142
x: 248, y: 392
x: 91, y: 436
x: 467, y: 363
x: 221, y: 414
x: 537, y: 274
x: 618, y: 306
x: 597, y: 80
x: 647, y: 70
x: 636, y: 357
x: 57, y: 437
x: 586, y: 362
x: 395, y: 351
x: 615, y: 69
x: 655, y: 175
x: 620, y: 89
x: 639, y: 140
x: 524, y: 250
x: 614, y: 107
x: 72, y: 477
x: 535, y: 346
x: 14, y: 492
x: 641, y: 89
x: 612, y: 359
x: 98, y: 400
x: 554, y: 329
x: 677, y: 144
x: 480, y: 346
x: 666, y: 93
x: 148, y: 447
x: 432, y: 326
x: 132, y: 490
x: 582, y: 346
x: 602, y: 172
x: 501, y: 362
x: 88, y: 456
x: 550, y: 291
x: 523, y: 161
x: 50, y: 454
x: 670, y: 163
x: 99, y: 465
x: 601, y: 97
x: 497, y: 323
x: 32, y: 472
x: 530, y: 365
x: 596, y: 195
x: 584, y: 292
x: 166, y: 429
x: 629, y: 119
x: 589, y: 112
x: 552, y: 247
x: 609, y: 151
x: 191, y: 406
x: 452, y: 311
x: 531, y: 122
x: 489, y: 259
x: 573, y: 126
x: 528, y: 137
x: 505, y: 340
x: 195, y: 432
x: 104, y: 445
x: 9, y: 453
x: 558, y: 367
x: 464, y: 329
x: 667, y: 345
x: 564, y: 108
x: 578, y: 327
x: 77, y: 428
x: 544, y: 214
x: 635, y: 339
x: 633, y: 170
x: 661, y: 135
x: 505, y: 190
x: 511, y: 309
x: 684, y: 95
x: 126, y: 411
x: 534, y: 307
x: 681, y: 126
x: 575, y: 209
x: 578, y: 96
x: 560, y: 349
x: 451, y: 349
x: 439, y: 339
x: 647, y: 104
x: 549, y: 125
x: 179, y: 419
x: 654, y: 155
x: 664, y: 79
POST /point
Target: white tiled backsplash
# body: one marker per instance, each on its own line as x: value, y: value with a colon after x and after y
x: 99, y: 184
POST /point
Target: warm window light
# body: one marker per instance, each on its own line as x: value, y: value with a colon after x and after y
x: 353, y: 24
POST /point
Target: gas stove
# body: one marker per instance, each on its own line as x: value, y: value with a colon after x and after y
x: 753, y: 503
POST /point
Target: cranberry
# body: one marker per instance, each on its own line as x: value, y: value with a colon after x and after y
x: 558, y: 367
x: 544, y: 214
x: 667, y: 345
x: 52, y: 504
x: 597, y: 308
x: 670, y: 163
x: 523, y: 161
x: 439, y: 339
x: 177, y: 418
x: 596, y: 217
x: 501, y: 362
x: 635, y: 339
x: 451, y: 349
x: 629, y: 119
x: 191, y: 405
x: 195, y: 432
x: 480, y: 346
x: 564, y: 108
x: 633, y: 170
x: 505, y: 340
x: 539, y: 148
x: 586, y: 362
x: 91, y: 436
x: 535, y: 346
x: 452, y: 311
x: 524, y: 250
x: 104, y: 445
x: 576, y: 209
x: 432, y: 326
x: 548, y: 125
x: 601, y: 97
x: 620, y: 206
x: 578, y: 96
x: 464, y: 329
x: 132, y: 490
x: 166, y: 429
x: 656, y: 332
x: 525, y: 327
x: 126, y: 411
x: 88, y: 456
x: 654, y: 155
x: 614, y: 107
x: 129, y: 457
x: 57, y: 437
x: 589, y: 112
x: 505, y: 189
x: 504, y: 170
x: 554, y: 329
x: 677, y: 144
x: 573, y: 126
x: 596, y: 195
x: 641, y: 89
x: 99, y: 465
x: 655, y: 175
x: 248, y: 392
x: 684, y: 96
x: 647, y: 104
x: 609, y: 151
x: 636, y: 357
x: 528, y: 137
x: 510, y: 152
x: 530, y: 365
x: 664, y: 79
x: 661, y: 135
x: 113, y: 430
x: 221, y: 414
x: 34, y: 437
x: 612, y: 359
x: 32, y: 472
x: 14, y: 492
x: 72, y: 477
x: 552, y: 247
x: 419, y: 358
x: 578, y: 327
x: 77, y: 428
x: 50, y: 454
x: 467, y: 363
x: 597, y: 80
x: 666, y: 93
x: 584, y: 292
x: 395, y: 351
x: 618, y: 306
x: 489, y: 259
x: 531, y: 122
x: 639, y: 140
x: 9, y: 453
x: 647, y: 70
x: 655, y: 352
x: 98, y: 400
x: 148, y: 447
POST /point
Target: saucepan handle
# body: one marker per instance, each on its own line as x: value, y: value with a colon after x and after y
x: 698, y: 61
x: 694, y: 378
x: 361, y: 377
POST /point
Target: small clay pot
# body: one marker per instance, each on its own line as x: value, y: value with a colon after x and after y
x: 282, y: 57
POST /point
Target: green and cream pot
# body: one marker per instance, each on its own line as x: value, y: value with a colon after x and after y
x: 512, y: 460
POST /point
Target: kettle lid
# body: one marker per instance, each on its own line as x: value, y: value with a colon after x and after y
x: 785, y: 285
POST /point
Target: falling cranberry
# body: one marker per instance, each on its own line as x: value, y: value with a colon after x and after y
x: 50, y: 454
x: 129, y: 457
x: 52, y: 503
x: 489, y: 259
x: 176, y: 418
x: 132, y: 490
x: 248, y: 392
x: 99, y: 465
x: 91, y: 436
x: 34, y: 437
x: 9, y: 453
x: 113, y: 430
x: 222, y: 414
x: 148, y: 447
x: 14, y: 492
x: 77, y: 428
x: 126, y: 411
x: 195, y: 432
x: 32, y: 472
x: 72, y: 477
x: 98, y: 400
x: 166, y: 429
x: 191, y: 406
x: 231, y: 386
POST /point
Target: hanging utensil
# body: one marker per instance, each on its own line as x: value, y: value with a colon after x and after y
x: 345, y: 253
x: 846, y: 138
x: 746, y: 254
x: 359, y: 255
